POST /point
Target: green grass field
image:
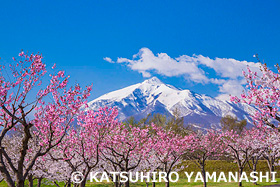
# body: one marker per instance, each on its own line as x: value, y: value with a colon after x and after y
x: 211, y: 166
x: 181, y: 183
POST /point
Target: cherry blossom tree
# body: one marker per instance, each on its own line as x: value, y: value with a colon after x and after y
x: 263, y: 91
x: 44, y: 167
x: 255, y: 139
x: 81, y: 149
x: 238, y: 148
x: 108, y: 167
x: 125, y: 149
x: 53, y: 104
x: 53, y: 167
x: 12, y: 144
x: 168, y: 148
x: 272, y: 151
x: 149, y: 165
x: 204, y: 146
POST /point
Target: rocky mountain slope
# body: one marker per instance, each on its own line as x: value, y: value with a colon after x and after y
x: 153, y: 96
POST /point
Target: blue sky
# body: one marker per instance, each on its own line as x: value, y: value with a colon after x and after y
x: 77, y: 35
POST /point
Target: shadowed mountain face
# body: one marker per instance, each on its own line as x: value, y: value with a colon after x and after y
x: 153, y: 96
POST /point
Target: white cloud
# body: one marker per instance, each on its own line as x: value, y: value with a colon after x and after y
x: 108, y: 59
x: 231, y: 87
x: 228, y: 71
x: 227, y: 67
x: 146, y: 62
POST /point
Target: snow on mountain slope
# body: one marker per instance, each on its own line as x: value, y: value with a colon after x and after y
x: 153, y: 96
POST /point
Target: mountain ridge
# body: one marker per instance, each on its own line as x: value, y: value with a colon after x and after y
x: 153, y: 96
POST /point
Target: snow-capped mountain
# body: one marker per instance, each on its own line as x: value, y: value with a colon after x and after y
x: 153, y: 96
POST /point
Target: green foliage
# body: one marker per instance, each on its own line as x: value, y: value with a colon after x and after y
x: 232, y: 123
x: 174, y: 123
x: 131, y: 121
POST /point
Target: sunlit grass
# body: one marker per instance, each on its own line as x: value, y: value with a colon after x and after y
x: 211, y: 166
x: 181, y: 183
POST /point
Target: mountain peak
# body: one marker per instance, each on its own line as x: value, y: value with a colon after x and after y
x: 153, y: 96
x: 153, y: 80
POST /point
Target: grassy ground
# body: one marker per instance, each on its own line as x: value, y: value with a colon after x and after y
x: 181, y: 183
x: 211, y: 166
x: 226, y: 166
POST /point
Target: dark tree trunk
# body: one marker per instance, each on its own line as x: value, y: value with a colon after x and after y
x: 255, y: 169
x: 117, y: 182
x: 10, y: 183
x: 83, y: 183
x: 203, y: 175
x: 20, y: 183
x: 30, y: 180
x: 6, y: 175
x: 56, y: 184
x: 271, y: 167
x: 272, y: 170
x: 240, y: 173
x: 154, y: 184
x: 167, y: 184
x: 127, y: 183
x: 147, y: 184
x: 39, y: 182
x: 68, y: 183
